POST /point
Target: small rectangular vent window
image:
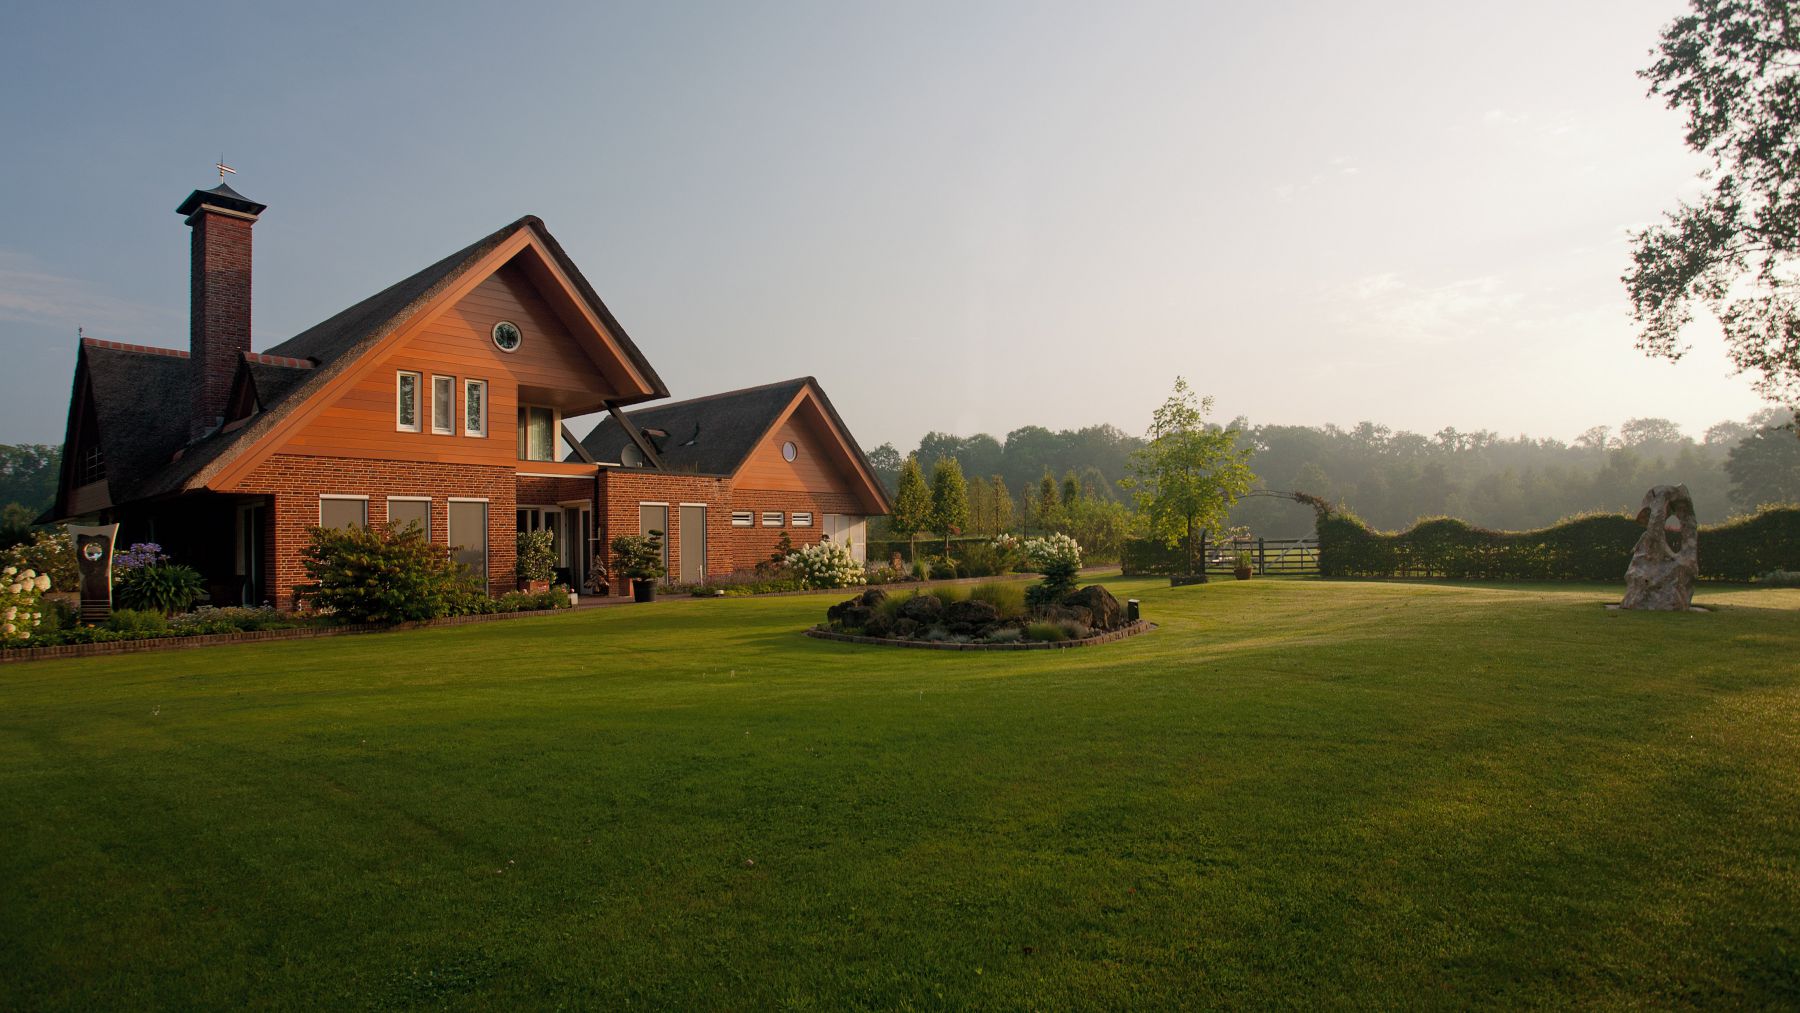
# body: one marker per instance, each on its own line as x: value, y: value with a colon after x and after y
x: 771, y: 519
x: 802, y: 520
x: 743, y: 519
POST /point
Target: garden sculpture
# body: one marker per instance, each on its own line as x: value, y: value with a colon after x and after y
x: 1661, y: 579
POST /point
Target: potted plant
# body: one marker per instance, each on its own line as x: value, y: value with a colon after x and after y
x: 536, y: 561
x: 1242, y: 568
x: 640, y: 560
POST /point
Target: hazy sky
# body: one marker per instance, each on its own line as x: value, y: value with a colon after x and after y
x: 966, y: 217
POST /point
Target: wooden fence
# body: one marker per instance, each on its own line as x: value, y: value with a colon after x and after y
x: 1277, y: 557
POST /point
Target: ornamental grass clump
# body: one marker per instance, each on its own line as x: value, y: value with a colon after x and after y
x: 826, y: 564
x: 21, y: 604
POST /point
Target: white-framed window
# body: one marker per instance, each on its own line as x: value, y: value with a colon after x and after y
x: 443, y: 405
x: 343, y: 511
x: 475, y: 408
x: 404, y: 510
x: 469, y: 534
x: 743, y: 519
x: 771, y: 518
x: 801, y: 519
x: 537, y: 433
x: 406, y: 400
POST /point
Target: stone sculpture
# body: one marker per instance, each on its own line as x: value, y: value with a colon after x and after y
x: 1661, y: 579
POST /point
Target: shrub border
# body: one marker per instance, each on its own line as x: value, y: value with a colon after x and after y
x: 1141, y: 626
x: 57, y: 652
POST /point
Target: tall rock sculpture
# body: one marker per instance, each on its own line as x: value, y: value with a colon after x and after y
x: 1661, y: 579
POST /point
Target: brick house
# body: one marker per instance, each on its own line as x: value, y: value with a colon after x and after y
x: 439, y: 401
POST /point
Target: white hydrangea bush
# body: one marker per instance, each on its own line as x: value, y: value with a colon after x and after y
x: 826, y: 564
x: 21, y: 604
x: 1051, y: 552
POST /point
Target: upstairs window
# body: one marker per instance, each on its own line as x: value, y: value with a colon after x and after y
x: 537, y: 433
x: 475, y: 407
x: 443, y: 405
x: 406, y: 401
x: 91, y: 467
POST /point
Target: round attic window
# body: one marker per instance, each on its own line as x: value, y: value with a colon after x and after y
x: 506, y: 336
x: 631, y: 457
x: 789, y: 451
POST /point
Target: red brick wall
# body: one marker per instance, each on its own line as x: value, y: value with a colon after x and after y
x: 219, y: 321
x: 752, y: 545
x: 623, y: 491
x: 533, y: 491
x: 727, y: 548
x: 295, y: 483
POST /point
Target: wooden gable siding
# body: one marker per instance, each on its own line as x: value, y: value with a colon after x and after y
x: 817, y: 468
x: 458, y: 343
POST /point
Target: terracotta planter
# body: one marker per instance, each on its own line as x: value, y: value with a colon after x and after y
x: 1241, y: 573
x: 643, y: 590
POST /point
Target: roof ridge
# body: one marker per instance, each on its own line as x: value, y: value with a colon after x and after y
x: 642, y: 408
x: 266, y: 359
x: 122, y: 346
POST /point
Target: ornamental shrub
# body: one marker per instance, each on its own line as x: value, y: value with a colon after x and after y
x: 640, y: 557
x: 164, y: 587
x: 47, y: 552
x: 1058, y: 558
x: 378, y: 575
x: 826, y: 564
x: 21, y: 604
x: 536, y: 556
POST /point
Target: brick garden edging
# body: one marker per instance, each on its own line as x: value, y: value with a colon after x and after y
x: 1141, y: 626
x: 61, y: 651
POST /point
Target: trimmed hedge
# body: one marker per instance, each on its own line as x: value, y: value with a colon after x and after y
x: 1141, y: 556
x: 1592, y: 547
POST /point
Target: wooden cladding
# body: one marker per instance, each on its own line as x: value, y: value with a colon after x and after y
x: 818, y: 460
x: 455, y: 349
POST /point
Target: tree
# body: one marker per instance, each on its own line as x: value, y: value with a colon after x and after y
x: 912, y: 505
x: 1048, y: 499
x: 1003, y: 506
x: 1765, y: 468
x: 1733, y: 68
x: 949, y: 499
x: 1188, y: 476
x: 1071, y: 489
x: 885, y: 460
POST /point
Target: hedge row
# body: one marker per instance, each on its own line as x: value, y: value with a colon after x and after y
x: 1594, y: 547
x: 1152, y: 556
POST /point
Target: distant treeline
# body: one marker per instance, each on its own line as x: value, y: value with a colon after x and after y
x: 1390, y: 478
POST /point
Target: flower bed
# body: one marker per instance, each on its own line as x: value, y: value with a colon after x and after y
x: 1130, y: 630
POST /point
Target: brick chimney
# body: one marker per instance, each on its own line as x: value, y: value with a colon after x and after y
x: 219, y: 287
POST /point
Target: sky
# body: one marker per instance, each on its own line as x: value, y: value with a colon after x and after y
x: 962, y: 217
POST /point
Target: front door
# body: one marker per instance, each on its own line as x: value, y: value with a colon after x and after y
x: 693, y: 544
x: 250, y: 554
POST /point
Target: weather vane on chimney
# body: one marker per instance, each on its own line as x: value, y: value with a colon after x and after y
x: 223, y: 168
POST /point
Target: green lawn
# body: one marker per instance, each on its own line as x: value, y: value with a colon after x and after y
x: 1294, y: 793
